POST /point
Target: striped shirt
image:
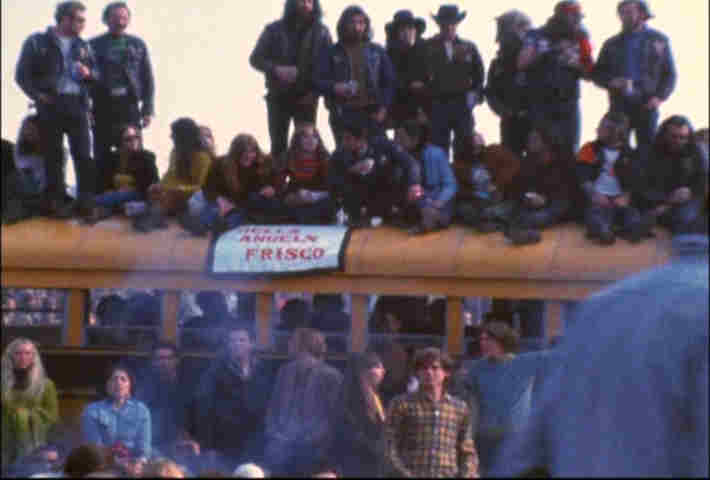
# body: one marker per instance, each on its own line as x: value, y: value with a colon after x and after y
x: 432, y: 439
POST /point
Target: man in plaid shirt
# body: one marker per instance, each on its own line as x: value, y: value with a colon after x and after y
x: 428, y: 432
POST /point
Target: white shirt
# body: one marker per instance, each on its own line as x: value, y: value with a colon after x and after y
x: 67, y: 84
x: 607, y: 183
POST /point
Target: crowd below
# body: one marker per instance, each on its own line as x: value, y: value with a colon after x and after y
x: 392, y: 411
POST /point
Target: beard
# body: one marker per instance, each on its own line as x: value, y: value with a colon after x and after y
x: 354, y: 37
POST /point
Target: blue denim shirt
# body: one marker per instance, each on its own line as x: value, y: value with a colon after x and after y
x: 103, y: 425
x: 629, y: 396
x: 437, y: 177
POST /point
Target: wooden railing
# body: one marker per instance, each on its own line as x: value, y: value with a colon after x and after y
x: 456, y: 263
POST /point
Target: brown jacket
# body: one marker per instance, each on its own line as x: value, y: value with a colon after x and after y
x: 228, y: 179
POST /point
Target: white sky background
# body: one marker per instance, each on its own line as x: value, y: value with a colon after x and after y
x: 200, y: 51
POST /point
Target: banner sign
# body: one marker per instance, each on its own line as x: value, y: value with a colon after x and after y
x: 278, y: 249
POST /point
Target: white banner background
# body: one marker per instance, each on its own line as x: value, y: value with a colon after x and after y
x: 278, y: 249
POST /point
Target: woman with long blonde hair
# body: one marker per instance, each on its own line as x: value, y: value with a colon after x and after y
x: 29, y: 400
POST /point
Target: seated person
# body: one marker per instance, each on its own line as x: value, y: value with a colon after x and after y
x: 118, y: 421
x: 433, y: 207
x: 605, y: 171
x: 371, y: 179
x: 546, y: 188
x: 673, y: 181
x: 130, y: 171
x: 187, y: 171
x: 238, y: 184
x: 484, y: 174
x: 208, y: 140
x: 25, y: 175
x: 306, y: 191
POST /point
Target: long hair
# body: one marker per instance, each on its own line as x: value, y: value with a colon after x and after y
x: 188, y: 140
x: 291, y: 11
x: 356, y: 398
x: 24, y: 147
x: 37, y: 375
x: 675, y: 121
x: 236, y: 176
x: 294, y: 149
x: 347, y: 14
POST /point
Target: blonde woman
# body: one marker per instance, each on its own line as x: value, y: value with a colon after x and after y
x: 29, y: 400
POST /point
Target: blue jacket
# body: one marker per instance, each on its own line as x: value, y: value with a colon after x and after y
x: 437, y: 177
x: 658, y: 72
x: 333, y: 67
x: 136, y: 68
x: 102, y: 425
x: 41, y: 64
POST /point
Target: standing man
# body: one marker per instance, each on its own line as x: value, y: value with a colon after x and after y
x: 124, y: 94
x: 452, y: 71
x: 56, y: 69
x: 637, y: 68
x: 428, y: 432
x: 355, y: 74
x: 286, y: 53
x: 554, y: 58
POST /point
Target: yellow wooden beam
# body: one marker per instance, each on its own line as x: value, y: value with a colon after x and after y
x: 171, y: 305
x: 454, y: 325
x: 76, y: 314
x: 264, y: 309
x: 358, y: 327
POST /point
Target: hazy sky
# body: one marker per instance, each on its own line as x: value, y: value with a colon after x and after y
x: 200, y: 52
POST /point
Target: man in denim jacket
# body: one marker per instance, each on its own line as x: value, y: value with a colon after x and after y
x: 124, y: 95
x: 55, y: 70
x: 636, y: 66
x: 355, y: 73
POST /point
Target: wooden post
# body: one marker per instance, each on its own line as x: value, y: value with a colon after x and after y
x: 358, y: 326
x: 454, y: 326
x: 76, y: 314
x: 264, y: 308
x: 553, y: 318
x: 171, y: 305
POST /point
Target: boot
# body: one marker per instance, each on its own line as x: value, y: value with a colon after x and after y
x: 606, y: 236
x: 523, y: 236
x: 193, y: 224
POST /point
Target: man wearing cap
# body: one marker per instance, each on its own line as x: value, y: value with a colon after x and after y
x: 55, y: 70
x: 452, y: 71
x: 404, y: 38
x: 554, y: 58
x: 637, y: 67
x: 355, y: 73
x: 372, y: 177
x: 124, y: 94
x: 500, y: 387
x: 286, y: 53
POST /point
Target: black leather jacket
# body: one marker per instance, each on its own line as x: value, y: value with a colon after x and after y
x: 41, y: 64
x: 136, y: 67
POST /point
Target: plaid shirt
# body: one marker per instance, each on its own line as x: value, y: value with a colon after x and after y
x: 430, y: 439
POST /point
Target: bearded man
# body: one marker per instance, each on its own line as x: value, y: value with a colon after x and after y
x: 355, y: 74
x: 286, y: 53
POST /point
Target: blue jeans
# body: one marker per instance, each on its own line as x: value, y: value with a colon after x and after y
x: 209, y: 215
x: 447, y: 115
x: 116, y: 199
x: 643, y: 121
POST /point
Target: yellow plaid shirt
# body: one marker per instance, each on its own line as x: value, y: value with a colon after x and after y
x: 428, y: 439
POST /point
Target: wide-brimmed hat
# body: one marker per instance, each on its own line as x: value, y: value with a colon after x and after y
x: 448, y: 14
x: 567, y: 6
x: 405, y: 17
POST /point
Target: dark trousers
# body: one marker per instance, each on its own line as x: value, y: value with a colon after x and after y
x: 377, y: 197
x: 600, y: 219
x: 449, y: 115
x: 110, y: 114
x: 685, y: 218
x: 551, y: 214
x: 317, y: 213
x: 565, y: 116
x: 337, y: 114
x: 643, y: 122
x: 280, y: 112
x: 69, y: 115
x: 514, y: 133
x: 413, y: 211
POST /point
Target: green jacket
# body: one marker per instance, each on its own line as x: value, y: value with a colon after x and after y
x: 26, y: 421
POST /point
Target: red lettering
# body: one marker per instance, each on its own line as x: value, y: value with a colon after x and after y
x: 318, y: 253
x: 283, y: 239
x: 304, y: 252
x: 312, y: 238
x: 259, y: 238
x: 278, y: 254
x: 291, y: 253
x: 251, y: 252
x: 294, y: 230
x: 245, y: 239
x: 266, y: 254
